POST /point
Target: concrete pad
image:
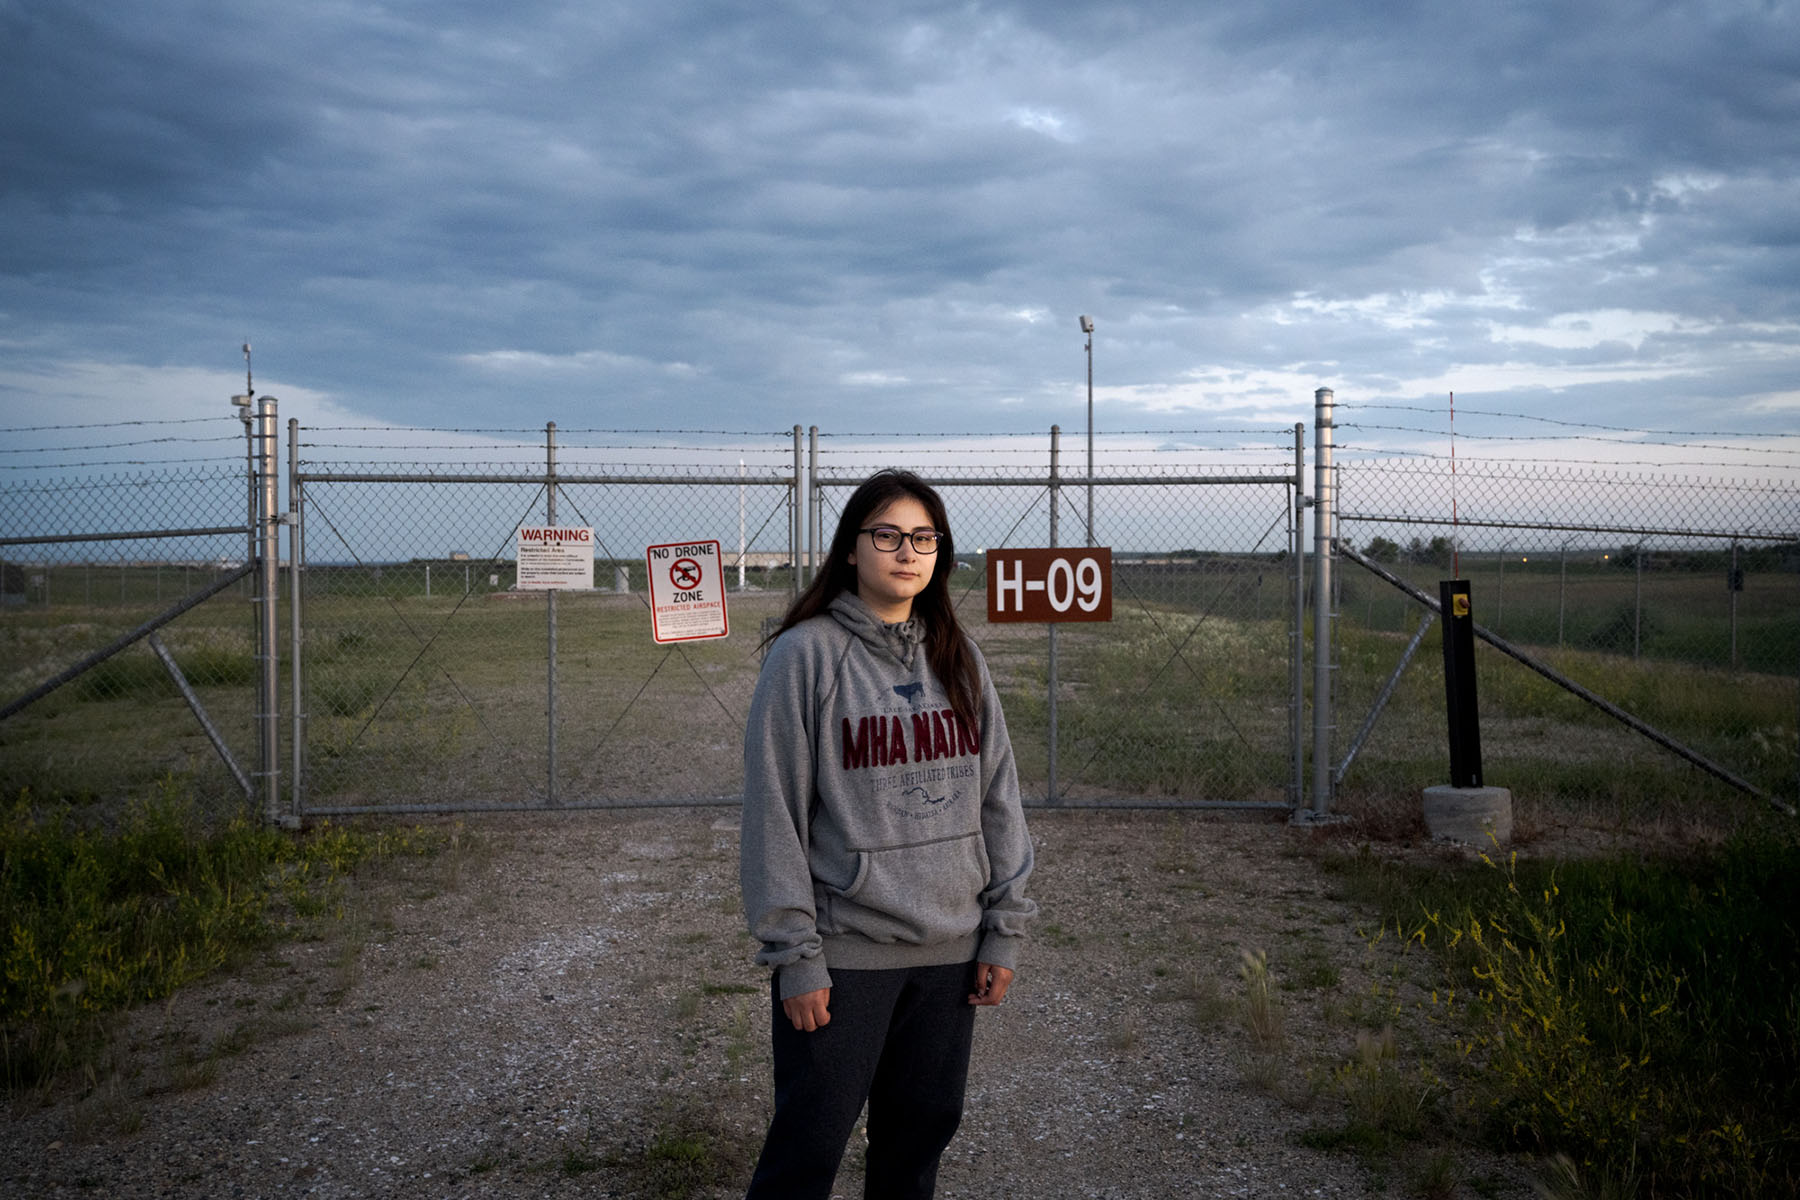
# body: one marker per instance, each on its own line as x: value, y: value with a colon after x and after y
x: 1479, y: 816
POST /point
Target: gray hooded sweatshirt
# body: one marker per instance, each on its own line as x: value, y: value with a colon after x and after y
x: 878, y: 830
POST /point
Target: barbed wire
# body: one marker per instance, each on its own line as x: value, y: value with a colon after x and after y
x: 233, y: 474
x: 114, y: 424
x: 562, y: 452
x: 525, y: 468
x: 1573, y: 437
x: 122, y: 462
x: 115, y: 445
x: 1001, y: 445
x: 1479, y: 412
x: 1262, y: 430
x: 538, y: 431
x: 1381, y: 452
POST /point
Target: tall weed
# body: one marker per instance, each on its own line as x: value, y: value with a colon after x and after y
x: 95, y: 920
x: 1640, y: 1016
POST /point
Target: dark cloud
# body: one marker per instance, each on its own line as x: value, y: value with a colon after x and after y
x: 826, y: 212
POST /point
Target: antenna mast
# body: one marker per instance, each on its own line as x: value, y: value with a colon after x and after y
x: 249, y: 388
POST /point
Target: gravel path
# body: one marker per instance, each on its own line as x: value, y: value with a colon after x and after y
x: 564, y: 1005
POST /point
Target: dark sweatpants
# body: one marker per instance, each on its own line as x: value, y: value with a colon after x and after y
x: 899, y: 1039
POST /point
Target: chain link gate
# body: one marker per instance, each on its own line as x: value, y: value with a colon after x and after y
x: 425, y: 681
x: 136, y: 643
x: 1191, y: 695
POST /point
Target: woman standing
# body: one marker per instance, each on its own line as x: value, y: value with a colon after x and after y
x: 884, y: 852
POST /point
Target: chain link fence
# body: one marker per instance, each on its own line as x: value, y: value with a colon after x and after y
x: 415, y: 675
x: 151, y: 566
x: 1675, y: 597
x: 429, y: 680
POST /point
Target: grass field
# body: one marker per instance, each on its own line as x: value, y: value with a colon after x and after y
x: 417, y: 698
x: 1685, y: 616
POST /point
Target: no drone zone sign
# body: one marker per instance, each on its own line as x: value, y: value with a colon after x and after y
x: 687, y: 591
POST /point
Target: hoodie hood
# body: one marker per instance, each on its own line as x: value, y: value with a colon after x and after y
x: 900, y: 641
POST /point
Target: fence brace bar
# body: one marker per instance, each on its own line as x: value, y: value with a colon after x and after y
x: 1381, y: 700
x: 200, y: 714
x: 119, y: 643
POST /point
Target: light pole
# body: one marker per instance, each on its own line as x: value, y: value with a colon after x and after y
x: 1087, y: 327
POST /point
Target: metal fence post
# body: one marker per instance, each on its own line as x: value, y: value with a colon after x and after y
x: 268, y: 587
x: 1637, y: 606
x: 1562, y: 588
x: 1297, y: 634
x: 796, y: 522
x: 1323, y: 503
x: 815, y: 509
x: 1733, y: 582
x: 550, y: 603
x: 296, y: 556
x: 1500, y: 590
x: 1050, y: 695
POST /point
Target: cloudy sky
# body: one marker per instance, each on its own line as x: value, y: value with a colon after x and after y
x: 888, y: 217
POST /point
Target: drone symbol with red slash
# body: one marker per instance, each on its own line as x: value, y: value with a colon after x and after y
x: 685, y: 573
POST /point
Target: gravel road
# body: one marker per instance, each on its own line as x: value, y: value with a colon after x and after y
x: 564, y: 1005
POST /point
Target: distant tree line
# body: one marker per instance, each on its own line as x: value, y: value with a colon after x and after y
x: 1436, y: 552
x: 1761, y: 557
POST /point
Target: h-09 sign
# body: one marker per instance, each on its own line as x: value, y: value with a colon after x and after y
x: 1072, y: 584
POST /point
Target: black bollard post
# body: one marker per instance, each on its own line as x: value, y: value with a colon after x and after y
x: 1459, y: 683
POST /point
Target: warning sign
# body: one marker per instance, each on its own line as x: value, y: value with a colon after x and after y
x: 553, y: 558
x: 687, y: 591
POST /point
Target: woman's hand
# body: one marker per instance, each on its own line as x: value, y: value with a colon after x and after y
x: 810, y: 1010
x: 991, y: 983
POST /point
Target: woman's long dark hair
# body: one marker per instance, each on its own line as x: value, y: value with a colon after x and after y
x: 946, y: 647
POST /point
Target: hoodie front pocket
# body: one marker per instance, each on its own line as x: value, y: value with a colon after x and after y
x: 924, y: 893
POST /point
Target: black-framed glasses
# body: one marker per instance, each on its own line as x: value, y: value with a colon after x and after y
x: 887, y: 539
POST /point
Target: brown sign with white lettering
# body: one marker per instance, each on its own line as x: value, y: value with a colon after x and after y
x: 1061, y: 584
